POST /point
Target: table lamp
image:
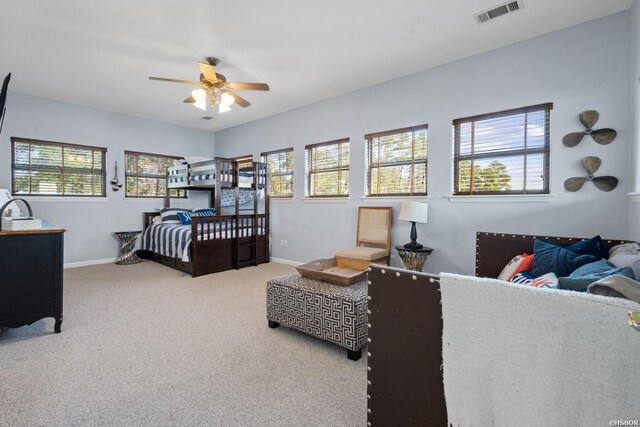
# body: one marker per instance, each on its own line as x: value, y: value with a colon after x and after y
x: 414, y: 212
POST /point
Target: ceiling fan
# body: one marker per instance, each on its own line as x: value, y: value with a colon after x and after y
x: 215, y: 87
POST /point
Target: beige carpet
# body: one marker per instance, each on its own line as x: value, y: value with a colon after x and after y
x: 148, y: 345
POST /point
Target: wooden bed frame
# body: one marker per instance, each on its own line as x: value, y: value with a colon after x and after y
x: 222, y: 250
x: 405, y: 383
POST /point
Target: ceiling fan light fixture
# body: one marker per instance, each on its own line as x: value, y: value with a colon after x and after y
x: 200, y: 99
x: 226, y: 99
x: 223, y: 108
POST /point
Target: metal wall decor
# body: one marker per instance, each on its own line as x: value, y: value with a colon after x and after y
x: 115, y: 182
x: 588, y: 119
x: 591, y: 165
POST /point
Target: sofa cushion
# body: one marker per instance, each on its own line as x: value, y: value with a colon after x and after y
x: 516, y: 265
x: 549, y: 258
x: 363, y: 252
x: 580, y: 279
x: 594, y: 246
x: 626, y: 255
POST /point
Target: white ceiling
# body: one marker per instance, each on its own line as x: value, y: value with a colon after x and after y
x: 99, y: 53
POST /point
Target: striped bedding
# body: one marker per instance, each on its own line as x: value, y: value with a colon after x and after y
x: 174, y: 240
x: 203, y: 173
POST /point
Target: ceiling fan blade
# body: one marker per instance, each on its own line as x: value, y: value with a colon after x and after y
x: 572, y: 139
x: 239, y: 100
x: 190, y: 100
x: 248, y: 86
x: 604, y: 136
x: 209, y: 72
x: 606, y: 183
x: 589, y: 118
x: 574, y: 184
x: 189, y: 82
x: 591, y: 164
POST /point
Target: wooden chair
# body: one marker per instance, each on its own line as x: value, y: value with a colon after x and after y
x: 373, y: 239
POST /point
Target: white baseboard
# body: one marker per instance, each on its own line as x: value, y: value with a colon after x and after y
x: 285, y: 261
x: 89, y: 262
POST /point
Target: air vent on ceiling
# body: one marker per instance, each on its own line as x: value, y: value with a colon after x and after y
x: 503, y: 9
x: 206, y: 118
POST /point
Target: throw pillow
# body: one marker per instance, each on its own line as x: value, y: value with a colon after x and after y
x: 170, y: 215
x: 204, y: 212
x: 580, y: 279
x: 594, y: 246
x: 516, y: 265
x: 185, y: 217
x: 550, y: 258
x: 548, y: 281
x: 626, y: 255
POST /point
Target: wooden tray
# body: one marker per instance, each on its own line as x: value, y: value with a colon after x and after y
x: 328, y: 270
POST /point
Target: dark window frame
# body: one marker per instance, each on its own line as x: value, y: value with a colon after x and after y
x: 525, y: 151
x: 369, y: 166
x: 264, y: 158
x: 309, y: 172
x: 182, y: 194
x: 61, y: 169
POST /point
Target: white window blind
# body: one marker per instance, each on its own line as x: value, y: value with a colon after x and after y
x: 279, y: 172
x: 328, y: 169
x: 397, y: 162
x: 146, y: 175
x: 503, y: 153
x: 45, y: 168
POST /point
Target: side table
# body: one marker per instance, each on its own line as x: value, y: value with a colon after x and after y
x: 413, y: 259
x: 128, y: 252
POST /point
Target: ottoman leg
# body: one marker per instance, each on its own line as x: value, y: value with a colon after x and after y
x: 273, y: 324
x: 354, y: 354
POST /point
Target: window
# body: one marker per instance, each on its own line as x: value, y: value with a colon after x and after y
x: 503, y: 153
x: 279, y: 172
x: 44, y: 168
x: 146, y: 175
x: 328, y: 169
x: 396, y: 162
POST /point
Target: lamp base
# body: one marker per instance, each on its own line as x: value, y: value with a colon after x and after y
x: 413, y: 245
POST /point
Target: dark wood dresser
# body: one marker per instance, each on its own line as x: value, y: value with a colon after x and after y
x: 31, y: 276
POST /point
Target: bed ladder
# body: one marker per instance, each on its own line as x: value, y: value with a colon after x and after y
x: 252, y: 244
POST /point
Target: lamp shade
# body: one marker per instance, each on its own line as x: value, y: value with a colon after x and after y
x: 414, y: 211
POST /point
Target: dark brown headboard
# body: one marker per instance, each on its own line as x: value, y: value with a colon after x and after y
x: 147, y: 217
x: 495, y: 250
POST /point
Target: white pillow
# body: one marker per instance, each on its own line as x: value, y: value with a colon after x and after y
x: 548, y: 281
x: 626, y: 255
x: 512, y: 267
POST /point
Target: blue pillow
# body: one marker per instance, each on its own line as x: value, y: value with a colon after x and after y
x: 185, y: 217
x: 583, y: 276
x: 550, y: 258
x: 205, y: 212
x: 171, y: 215
x: 594, y: 246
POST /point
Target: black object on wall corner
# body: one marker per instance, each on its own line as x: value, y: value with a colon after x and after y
x: 3, y: 98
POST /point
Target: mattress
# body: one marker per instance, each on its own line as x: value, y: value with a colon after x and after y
x: 203, y: 175
x: 174, y: 240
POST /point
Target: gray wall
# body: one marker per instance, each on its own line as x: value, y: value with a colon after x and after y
x: 634, y: 214
x: 91, y: 222
x: 583, y: 67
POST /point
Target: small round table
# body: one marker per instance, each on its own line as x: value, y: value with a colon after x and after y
x: 128, y: 251
x: 413, y: 259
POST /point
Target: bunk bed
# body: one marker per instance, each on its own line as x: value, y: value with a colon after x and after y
x: 235, y: 236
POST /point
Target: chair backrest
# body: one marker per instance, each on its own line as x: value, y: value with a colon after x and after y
x: 374, y: 227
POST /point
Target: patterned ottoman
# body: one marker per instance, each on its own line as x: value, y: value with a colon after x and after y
x: 337, y: 314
